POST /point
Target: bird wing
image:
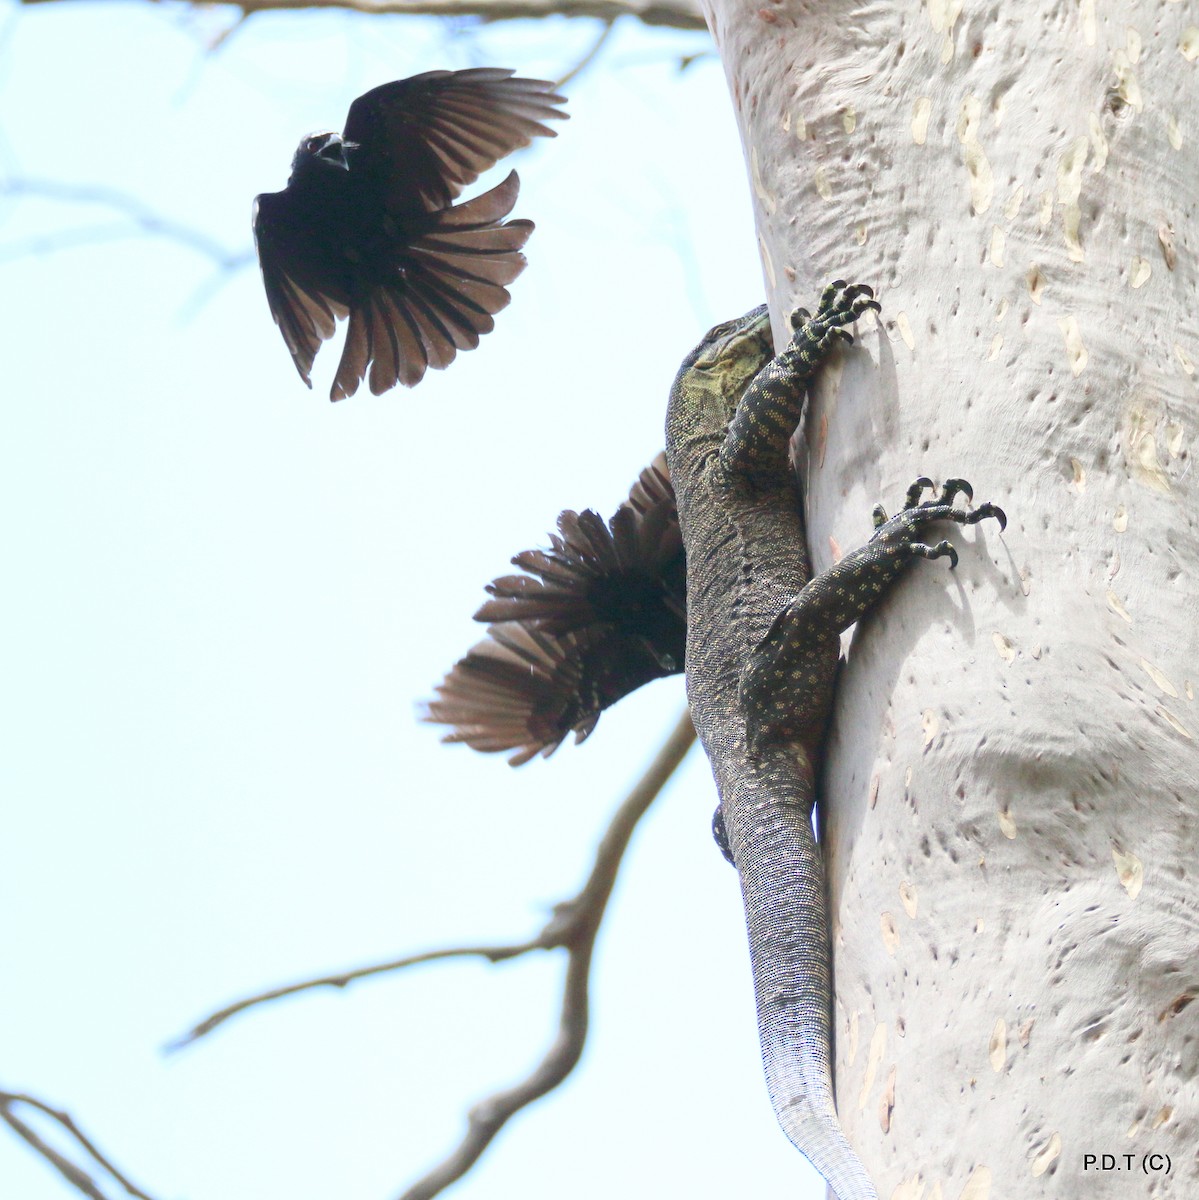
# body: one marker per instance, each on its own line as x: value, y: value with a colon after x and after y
x: 305, y: 313
x: 427, y: 137
x: 565, y: 643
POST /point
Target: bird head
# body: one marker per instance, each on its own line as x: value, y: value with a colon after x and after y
x: 321, y: 152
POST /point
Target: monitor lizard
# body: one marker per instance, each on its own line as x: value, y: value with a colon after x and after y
x: 763, y: 640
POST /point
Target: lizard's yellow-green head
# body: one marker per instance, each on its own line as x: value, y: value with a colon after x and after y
x: 732, y: 353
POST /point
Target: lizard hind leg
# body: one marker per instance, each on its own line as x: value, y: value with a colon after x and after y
x: 895, y: 540
x: 721, y: 835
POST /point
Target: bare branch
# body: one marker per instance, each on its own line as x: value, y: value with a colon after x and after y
x: 576, y: 924
x: 558, y: 932
x: 677, y: 14
x: 75, y: 1175
x: 573, y: 927
x: 493, y: 954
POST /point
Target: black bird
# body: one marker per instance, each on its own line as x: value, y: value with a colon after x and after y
x: 366, y: 226
x: 601, y: 612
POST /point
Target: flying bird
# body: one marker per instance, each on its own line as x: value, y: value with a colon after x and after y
x: 367, y: 226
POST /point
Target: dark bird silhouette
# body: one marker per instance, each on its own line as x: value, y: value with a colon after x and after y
x: 367, y: 228
x: 601, y: 612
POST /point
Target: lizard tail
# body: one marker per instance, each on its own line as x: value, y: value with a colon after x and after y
x: 815, y: 1131
x: 782, y: 885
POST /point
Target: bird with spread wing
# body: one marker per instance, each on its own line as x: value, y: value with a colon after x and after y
x: 367, y: 227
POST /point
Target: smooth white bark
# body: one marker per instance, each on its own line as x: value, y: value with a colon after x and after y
x: 1014, y: 766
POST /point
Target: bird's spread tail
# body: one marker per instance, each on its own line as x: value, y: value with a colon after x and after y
x: 448, y: 284
x: 588, y: 620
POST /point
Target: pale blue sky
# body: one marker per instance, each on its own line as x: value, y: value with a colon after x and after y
x: 226, y: 596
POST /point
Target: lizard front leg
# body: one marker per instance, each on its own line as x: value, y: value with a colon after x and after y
x: 755, y: 449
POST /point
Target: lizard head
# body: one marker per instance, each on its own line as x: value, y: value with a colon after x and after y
x: 732, y: 353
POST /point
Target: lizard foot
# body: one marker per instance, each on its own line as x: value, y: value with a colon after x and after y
x: 721, y: 835
x: 840, y: 304
x: 899, y: 532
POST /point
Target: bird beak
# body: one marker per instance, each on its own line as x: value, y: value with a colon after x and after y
x: 335, y: 153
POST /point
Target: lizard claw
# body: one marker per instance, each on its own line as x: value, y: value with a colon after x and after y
x: 840, y: 304
x: 914, y: 492
x: 953, y: 487
x: 901, y: 530
x: 943, y: 549
x: 986, y: 510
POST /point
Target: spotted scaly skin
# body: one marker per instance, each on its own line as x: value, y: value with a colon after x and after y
x: 762, y: 648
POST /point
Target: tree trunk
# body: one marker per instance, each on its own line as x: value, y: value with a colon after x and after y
x: 1011, y: 778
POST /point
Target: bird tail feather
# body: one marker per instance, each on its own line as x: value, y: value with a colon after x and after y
x: 448, y: 283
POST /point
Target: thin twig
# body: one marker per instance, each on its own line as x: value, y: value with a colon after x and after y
x: 493, y: 954
x: 141, y: 218
x: 75, y: 1175
x: 587, y: 58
